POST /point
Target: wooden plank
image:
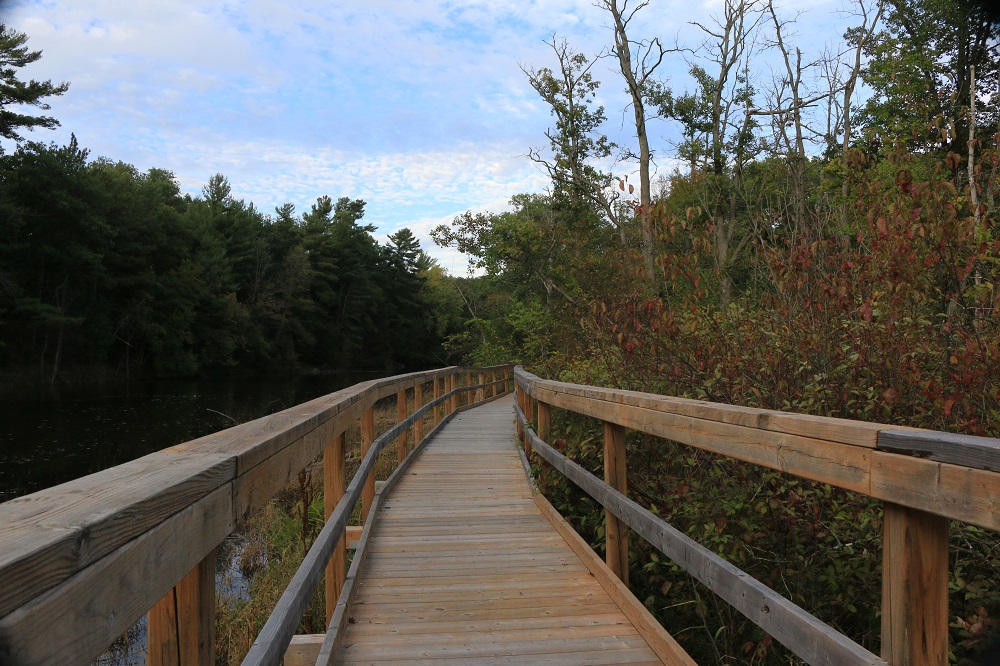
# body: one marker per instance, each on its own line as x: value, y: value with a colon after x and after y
x: 800, y: 632
x: 914, y: 587
x: 48, y: 536
x: 333, y: 490
x: 842, y: 465
x: 615, y: 532
x: 303, y: 650
x: 844, y: 431
x: 662, y: 643
x: 74, y: 622
x: 616, y: 658
x: 181, y: 626
x: 964, y: 450
x: 458, y: 650
x: 956, y: 492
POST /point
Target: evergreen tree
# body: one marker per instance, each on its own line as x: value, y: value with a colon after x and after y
x: 14, y: 92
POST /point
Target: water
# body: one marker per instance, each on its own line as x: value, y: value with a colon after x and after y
x: 48, y: 437
x: 51, y: 436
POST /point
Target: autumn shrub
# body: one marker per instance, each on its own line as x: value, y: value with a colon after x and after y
x: 888, y: 315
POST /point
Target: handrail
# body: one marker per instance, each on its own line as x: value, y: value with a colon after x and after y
x: 81, y: 562
x: 923, y: 477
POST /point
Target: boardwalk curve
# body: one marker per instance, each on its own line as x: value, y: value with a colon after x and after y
x: 464, y: 566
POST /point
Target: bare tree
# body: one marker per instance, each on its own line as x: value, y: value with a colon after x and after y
x: 638, y: 60
x: 729, y: 46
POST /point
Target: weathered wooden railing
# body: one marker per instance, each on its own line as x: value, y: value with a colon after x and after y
x: 924, y: 478
x: 81, y: 562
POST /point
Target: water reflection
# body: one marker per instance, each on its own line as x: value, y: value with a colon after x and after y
x: 48, y: 437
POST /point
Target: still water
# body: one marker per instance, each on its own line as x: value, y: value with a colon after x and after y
x: 50, y: 436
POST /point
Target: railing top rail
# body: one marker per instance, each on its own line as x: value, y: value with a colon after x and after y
x: 955, y: 476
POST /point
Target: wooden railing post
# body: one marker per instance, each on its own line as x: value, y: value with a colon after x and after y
x: 493, y: 386
x: 544, y: 429
x: 529, y: 413
x: 481, y: 392
x: 519, y: 399
x: 453, y: 400
x: 367, y: 437
x: 182, y: 624
x: 615, y: 532
x: 400, y: 417
x: 418, y: 402
x: 914, y: 587
x: 437, y: 408
x: 333, y: 489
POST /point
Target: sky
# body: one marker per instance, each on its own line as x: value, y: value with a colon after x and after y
x: 419, y: 107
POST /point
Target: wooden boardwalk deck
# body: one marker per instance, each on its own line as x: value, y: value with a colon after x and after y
x: 464, y: 566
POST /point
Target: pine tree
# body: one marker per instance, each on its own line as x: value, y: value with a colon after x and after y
x: 13, y: 92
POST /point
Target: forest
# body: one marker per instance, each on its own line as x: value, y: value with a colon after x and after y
x: 825, y: 242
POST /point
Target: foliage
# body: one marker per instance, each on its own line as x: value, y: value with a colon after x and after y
x: 103, y: 264
x: 14, y: 55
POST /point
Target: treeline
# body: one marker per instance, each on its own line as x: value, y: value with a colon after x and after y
x: 815, y: 250
x: 104, y: 266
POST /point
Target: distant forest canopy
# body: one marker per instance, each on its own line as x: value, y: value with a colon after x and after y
x: 825, y: 242
x: 104, y: 267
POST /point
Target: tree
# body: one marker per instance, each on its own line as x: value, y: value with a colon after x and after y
x: 569, y: 92
x: 637, y: 69
x: 919, y: 72
x: 13, y: 92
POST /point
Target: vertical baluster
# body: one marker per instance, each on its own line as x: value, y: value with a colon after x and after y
x: 437, y: 394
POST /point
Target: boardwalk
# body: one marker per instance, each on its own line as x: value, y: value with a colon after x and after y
x: 464, y: 566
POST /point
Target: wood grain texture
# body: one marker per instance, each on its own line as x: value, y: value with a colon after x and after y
x: 367, y: 437
x: 845, y: 431
x: 78, y: 619
x: 666, y: 648
x: 800, y: 632
x: 334, y: 469
x: 181, y: 626
x: 462, y: 564
x: 967, y: 451
x: 914, y: 587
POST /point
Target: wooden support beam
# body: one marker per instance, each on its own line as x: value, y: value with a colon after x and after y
x: 182, y: 623
x: 367, y: 437
x: 914, y: 587
x: 615, y: 531
x: 418, y: 402
x: 481, y: 392
x: 334, y: 469
x: 401, y: 416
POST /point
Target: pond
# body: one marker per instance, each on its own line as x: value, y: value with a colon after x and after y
x: 50, y: 436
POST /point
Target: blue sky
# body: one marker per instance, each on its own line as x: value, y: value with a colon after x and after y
x: 419, y: 107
